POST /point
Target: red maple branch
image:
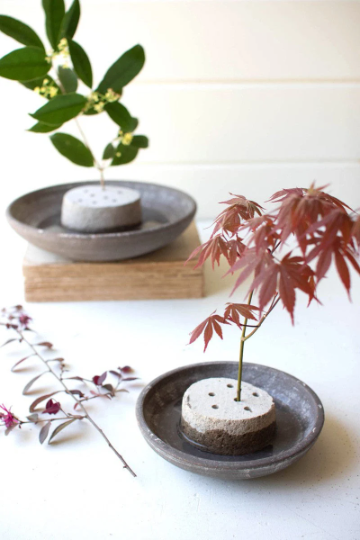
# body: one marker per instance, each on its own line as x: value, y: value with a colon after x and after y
x: 324, y: 229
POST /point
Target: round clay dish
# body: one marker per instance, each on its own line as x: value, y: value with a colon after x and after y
x: 166, y: 213
x: 299, y: 420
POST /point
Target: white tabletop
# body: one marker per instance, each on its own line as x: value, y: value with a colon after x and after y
x: 77, y: 489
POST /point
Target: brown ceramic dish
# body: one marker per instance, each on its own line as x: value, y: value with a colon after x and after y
x: 167, y: 212
x: 299, y: 419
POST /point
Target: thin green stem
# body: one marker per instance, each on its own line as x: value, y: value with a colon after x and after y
x: 102, y: 179
x: 86, y: 142
x: 98, y: 166
x: 241, y: 353
x: 244, y: 337
x: 262, y: 319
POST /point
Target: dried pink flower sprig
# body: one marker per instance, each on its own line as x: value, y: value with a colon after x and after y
x: 18, y: 321
x: 8, y: 419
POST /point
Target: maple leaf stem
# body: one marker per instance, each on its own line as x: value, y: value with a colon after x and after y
x: 275, y: 247
x: 261, y: 320
x: 241, y: 353
x: 86, y: 414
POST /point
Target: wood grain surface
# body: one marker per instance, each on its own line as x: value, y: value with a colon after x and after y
x: 159, y: 275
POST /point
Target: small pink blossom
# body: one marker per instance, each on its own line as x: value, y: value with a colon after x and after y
x: 126, y: 369
x: 99, y: 379
x: 24, y: 320
x: 52, y: 407
x: 7, y: 417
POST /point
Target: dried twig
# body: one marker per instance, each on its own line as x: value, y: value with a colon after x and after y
x: 18, y: 321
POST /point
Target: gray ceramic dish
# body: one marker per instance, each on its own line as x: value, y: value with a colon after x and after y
x: 167, y: 212
x: 300, y: 418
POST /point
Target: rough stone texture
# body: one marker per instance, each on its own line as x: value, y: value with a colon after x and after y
x: 212, y: 417
x: 95, y: 209
x: 221, y: 442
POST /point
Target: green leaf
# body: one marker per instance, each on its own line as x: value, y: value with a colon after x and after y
x: 54, y: 14
x: 44, y: 432
x: 140, y: 141
x: 109, y: 152
x: 70, y: 21
x: 60, y: 109
x: 123, y: 70
x: 121, y: 116
x: 31, y: 85
x: 60, y: 428
x: 20, y: 31
x: 124, y: 154
x: 73, y: 149
x: 90, y: 112
x: 43, y: 128
x: 45, y: 81
x: 24, y: 64
x: 68, y: 79
x: 134, y: 124
x: 81, y: 63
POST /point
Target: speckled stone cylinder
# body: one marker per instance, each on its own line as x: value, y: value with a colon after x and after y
x: 93, y: 209
x: 213, y: 419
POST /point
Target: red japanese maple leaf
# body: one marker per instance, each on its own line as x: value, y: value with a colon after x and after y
x: 301, y: 208
x: 356, y: 230
x: 216, y: 247
x: 324, y: 228
x: 233, y: 312
x: 240, y: 209
x: 207, y: 327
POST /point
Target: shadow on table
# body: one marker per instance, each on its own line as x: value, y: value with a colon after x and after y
x: 331, y: 458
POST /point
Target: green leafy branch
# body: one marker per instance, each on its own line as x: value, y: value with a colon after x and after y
x: 55, y: 75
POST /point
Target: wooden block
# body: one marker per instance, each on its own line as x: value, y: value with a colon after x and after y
x: 159, y: 275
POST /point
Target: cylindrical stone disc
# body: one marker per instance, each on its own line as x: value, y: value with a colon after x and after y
x: 212, y: 418
x: 92, y: 208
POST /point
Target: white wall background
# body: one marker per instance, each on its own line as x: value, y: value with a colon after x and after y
x: 241, y: 96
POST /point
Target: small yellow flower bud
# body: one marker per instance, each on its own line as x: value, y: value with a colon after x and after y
x: 37, y: 90
x: 63, y: 43
x: 111, y: 96
x: 53, y: 91
x: 127, y: 138
x: 118, y: 154
x: 99, y: 107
